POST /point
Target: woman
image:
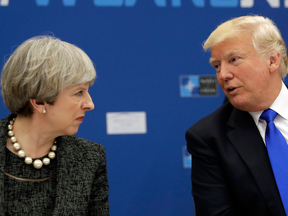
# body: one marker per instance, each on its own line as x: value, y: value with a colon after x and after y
x: 45, y: 169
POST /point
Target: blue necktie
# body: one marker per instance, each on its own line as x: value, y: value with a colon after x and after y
x: 278, y: 153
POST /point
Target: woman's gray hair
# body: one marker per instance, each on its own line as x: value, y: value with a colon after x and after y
x: 40, y: 68
x: 266, y: 37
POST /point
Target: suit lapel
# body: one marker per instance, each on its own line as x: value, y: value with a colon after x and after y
x: 247, y: 140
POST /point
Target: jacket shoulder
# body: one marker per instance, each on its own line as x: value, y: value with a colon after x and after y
x: 214, y: 121
x: 81, y: 147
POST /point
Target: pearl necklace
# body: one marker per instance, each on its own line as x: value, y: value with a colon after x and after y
x: 28, y: 160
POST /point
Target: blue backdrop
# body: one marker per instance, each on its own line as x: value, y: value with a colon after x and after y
x: 148, y: 58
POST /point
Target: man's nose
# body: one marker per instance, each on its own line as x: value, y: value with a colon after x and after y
x: 225, y: 72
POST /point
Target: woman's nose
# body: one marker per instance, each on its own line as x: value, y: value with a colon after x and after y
x: 88, y: 104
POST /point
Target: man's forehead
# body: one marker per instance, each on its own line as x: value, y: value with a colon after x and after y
x: 230, y: 42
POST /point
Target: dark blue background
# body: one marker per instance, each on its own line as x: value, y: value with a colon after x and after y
x: 139, y: 52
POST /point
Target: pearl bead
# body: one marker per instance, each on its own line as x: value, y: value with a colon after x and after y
x: 21, y: 153
x: 13, y: 139
x: 53, y: 147
x: 28, y: 160
x: 10, y: 127
x: 46, y: 161
x: 16, y: 146
x: 10, y: 133
x: 37, y: 164
x: 51, y: 155
x: 11, y: 122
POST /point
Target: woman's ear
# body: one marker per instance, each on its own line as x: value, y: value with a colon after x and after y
x: 275, y: 62
x: 38, y: 106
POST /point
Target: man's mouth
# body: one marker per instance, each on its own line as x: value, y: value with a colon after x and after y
x: 230, y: 89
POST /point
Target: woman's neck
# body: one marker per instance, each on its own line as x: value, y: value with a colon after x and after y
x: 31, y: 136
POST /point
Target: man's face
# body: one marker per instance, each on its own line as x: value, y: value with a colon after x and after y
x: 242, y: 73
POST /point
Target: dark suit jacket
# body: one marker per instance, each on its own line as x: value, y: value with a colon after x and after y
x: 231, y: 171
x: 82, y: 185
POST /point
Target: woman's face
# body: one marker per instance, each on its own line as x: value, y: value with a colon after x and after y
x: 68, y: 111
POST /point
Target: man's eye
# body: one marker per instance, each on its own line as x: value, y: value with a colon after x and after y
x: 79, y: 93
x: 234, y: 59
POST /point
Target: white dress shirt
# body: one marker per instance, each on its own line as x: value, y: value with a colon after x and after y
x: 280, y: 105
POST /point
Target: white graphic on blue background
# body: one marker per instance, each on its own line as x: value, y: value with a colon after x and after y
x: 65, y: 2
x: 198, y: 85
x: 221, y: 3
x: 189, y: 86
x: 187, y: 158
x: 177, y: 3
x: 105, y: 3
x: 116, y: 3
x: 4, y: 2
x: 165, y: 3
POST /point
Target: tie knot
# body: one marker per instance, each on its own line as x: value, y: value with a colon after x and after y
x: 268, y: 115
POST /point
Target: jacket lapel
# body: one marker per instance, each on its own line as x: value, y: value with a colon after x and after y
x: 71, y: 194
x: 64, y: 178
x: 247, y: 140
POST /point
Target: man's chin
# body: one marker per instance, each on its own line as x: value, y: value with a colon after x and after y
x: 238, y: 104
x: 246, y: 105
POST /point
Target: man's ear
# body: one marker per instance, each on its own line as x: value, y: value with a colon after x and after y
x: 38, y: 106
x: 275, y: 62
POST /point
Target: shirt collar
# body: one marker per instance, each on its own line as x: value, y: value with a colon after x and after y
x: 279, y: 105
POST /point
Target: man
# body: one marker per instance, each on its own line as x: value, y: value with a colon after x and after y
x: 232, y: 173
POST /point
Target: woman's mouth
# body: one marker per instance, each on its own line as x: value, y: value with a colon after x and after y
x: 80, y: 118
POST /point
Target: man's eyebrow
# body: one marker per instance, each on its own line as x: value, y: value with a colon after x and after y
x: 228, y: 53
x: 212, y: 60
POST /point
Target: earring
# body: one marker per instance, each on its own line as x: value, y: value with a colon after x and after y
x: 44, y: 110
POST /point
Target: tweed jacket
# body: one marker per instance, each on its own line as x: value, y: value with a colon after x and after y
x: 82, y: 184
